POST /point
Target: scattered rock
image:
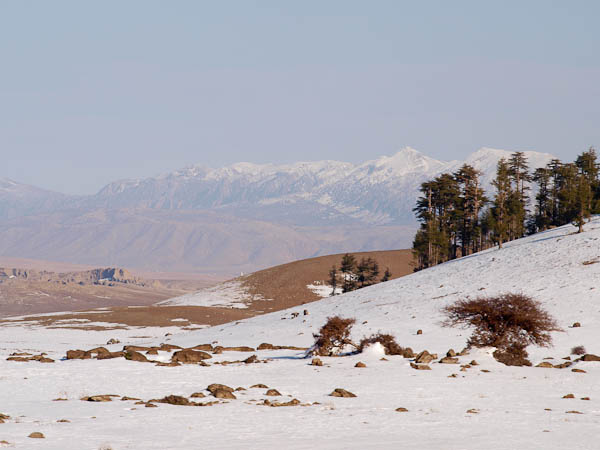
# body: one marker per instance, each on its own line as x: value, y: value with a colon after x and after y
x: 576, y: 325
x: 464, y: 352
x: 189, y: 356
x: 238, y: 349
x: 259, y: 386
x: 569, y: 396
x: 419, y: 331
x: 339, y: 392
x: 360, y: 364
x: 135, y: 348
x: 132, y: 355
x: 36, y: 435
x: 273, y: 393
x: 168, y: 364
x: 474, y: 363
x: 473, y: 411
x: 401, y: 409
x: 151, y: 405
x: 125, y: 398
x: 221, y: 393
x: 590, y: 357
x: 203, y: 347
x: 212, y: 388
x: 574, y: 412
x: 60, y: 399
x: 424, y: 357
x: 420, y: 366
x: 110, y: 355
x: 267, y: 346
x: 174, y: 400
x: 78, y: 354
x: 152, y: 351
x: 449, y: 360
x: 293, y: 402
x: 485, y: 371
x: 113, y: 341
x: 563, y: 365
x: 578, y: 371
x: 251, y: 359
x: 169, y: 347
x: 97, y: 398
x: 545, y: 364
x: 316, y: 362
x: 197, y: 395
x: 63, y: 421
x: 451, y: 353
x: 408, y: 353
x: 239, y: 389
x: 585, y: 398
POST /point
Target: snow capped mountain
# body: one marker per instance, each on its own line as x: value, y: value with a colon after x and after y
x: 242, y: 217
x: 381, y: 191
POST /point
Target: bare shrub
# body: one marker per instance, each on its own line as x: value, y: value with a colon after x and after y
x: 387, y: 340
x: 515, y: 355
x: 509, y: 322
x: 332, y: 336
x: 579, y: 350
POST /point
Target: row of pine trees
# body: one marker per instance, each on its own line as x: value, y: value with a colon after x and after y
x: 458, y: 218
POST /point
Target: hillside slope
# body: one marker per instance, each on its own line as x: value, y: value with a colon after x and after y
x: 290, y: 284
x: 472, y: 404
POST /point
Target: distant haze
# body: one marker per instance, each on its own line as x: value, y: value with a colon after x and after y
x: 91, y: 92
x: 241, y: 217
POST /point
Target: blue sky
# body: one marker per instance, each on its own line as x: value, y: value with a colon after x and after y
x: 95, y: 91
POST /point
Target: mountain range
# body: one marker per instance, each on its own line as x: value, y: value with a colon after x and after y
x: 236, y: 218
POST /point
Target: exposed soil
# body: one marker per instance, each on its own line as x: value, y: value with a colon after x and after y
x: 274, y: 289
x: 286, y: 284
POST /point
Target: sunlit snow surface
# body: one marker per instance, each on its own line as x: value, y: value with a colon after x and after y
x: 516, y: 408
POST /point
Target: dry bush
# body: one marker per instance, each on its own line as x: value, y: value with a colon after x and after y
x: 579, y: 350
x: 333, y: 336
x: 515, y: 355
x: 509, y: 322
x: 387, y: 340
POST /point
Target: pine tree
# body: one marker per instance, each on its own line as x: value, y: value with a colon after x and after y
x: 471, y: 200
x: 500, y: 219
x: 348, y: 268
x: 333, y: 280
x: 543, y: 216
x: 517, y: 202
x: 386, y: 275
x: 367, y: 271
x: 588, y: 167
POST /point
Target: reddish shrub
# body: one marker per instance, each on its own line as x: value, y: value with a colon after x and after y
x: 515, y: 355
x: 509, y: 322
x: 333, y: 336
x: 387, y: 340
x: 579, y: 350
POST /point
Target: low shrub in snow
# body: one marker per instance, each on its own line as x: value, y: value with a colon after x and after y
x: 579, y: 350
x: 387, y: 340
x: 509, y: 322
x: 332, y: 337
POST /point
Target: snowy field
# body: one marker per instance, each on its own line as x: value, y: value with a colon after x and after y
x: 489, y: 405
x: 230, y: 294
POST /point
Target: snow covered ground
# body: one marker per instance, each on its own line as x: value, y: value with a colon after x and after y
x: 230, y: 294
x: 488, y: 406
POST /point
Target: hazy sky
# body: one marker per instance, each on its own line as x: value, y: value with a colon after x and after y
x: 91, y: 92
